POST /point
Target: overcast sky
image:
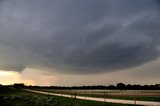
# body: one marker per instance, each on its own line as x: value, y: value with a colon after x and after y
x: 67, y: 42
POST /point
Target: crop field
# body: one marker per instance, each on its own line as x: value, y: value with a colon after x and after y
x: 144, y: 95
x: 17, y: 97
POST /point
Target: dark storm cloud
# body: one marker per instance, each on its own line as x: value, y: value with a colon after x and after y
x: 12, y: 67
x: 78, y: 35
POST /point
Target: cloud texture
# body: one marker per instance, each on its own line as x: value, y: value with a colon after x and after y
x: 78, y: 35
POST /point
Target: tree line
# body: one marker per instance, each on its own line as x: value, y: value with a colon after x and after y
x: 120, y: 86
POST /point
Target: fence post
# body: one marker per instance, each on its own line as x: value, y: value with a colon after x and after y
x: 134, y: 100
x: 122, y: 92
x: 85, y: 95
x: 75, y: 95
x: 104, y: 96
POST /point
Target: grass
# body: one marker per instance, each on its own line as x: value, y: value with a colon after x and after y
x: 15, y: 97
x: 157, y: 99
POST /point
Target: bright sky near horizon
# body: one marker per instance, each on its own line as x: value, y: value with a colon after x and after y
x: 44, y: 78
x: 11, y: 77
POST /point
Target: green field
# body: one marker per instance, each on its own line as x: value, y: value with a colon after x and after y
x: 17, y: 97
x: 142, y: 95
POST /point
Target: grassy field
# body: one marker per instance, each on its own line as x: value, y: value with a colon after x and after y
x: 143, y: 95
x: 15, y: 97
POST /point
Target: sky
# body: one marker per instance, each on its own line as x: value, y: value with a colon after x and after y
x: 79, y: 42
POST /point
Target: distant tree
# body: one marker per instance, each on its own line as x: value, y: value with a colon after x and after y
x: 111, y: 87
x: 18, y: 85
x: 121, y: 86
x: 157, y: 85
x: 129, y: 86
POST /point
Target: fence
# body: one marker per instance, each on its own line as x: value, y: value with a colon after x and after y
x: 105, y: 98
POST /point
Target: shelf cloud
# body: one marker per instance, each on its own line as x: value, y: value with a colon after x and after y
x: 79, y: 36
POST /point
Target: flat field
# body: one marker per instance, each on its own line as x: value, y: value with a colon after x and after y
x: 17, y: 97
x: 144, y: 95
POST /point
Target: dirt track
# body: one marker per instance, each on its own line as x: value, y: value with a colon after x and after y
x: 146, y: 103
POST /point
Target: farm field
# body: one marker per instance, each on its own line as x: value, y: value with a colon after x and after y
x: 144, y: 95
x: 17, y: 97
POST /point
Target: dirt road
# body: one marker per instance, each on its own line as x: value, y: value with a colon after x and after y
x: 146, y: 103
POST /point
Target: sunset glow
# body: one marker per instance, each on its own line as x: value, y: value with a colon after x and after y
x: 8, y: 73
x: 11, y: 77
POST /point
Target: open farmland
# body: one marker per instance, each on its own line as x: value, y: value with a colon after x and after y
x: 17, y: 97
x: 143, y: 95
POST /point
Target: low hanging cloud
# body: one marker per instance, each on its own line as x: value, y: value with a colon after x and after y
x: 78, y: 35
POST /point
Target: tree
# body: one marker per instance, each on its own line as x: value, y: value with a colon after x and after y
x: 121, y: 86
x: 18, y: 85
x: 1, y: 86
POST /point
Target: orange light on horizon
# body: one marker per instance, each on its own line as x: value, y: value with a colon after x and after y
x: 11, y: 77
